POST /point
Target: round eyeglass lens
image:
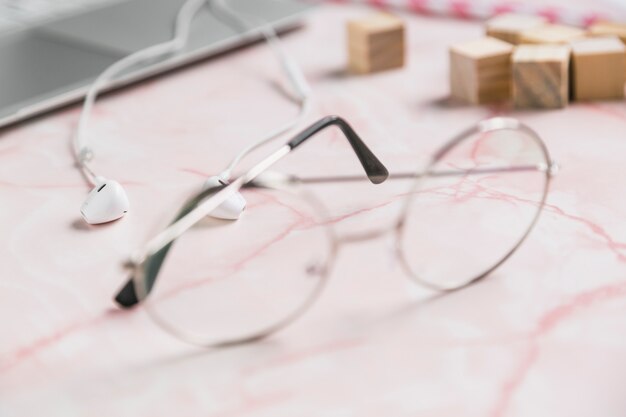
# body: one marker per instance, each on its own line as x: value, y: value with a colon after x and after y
x: 474, y: 207
x: 232, y: 281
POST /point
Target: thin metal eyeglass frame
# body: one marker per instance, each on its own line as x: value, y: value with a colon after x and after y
x: 374, y: 169
x: 196, y: 209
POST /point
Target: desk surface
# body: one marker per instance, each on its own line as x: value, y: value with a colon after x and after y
x: 545, y: 337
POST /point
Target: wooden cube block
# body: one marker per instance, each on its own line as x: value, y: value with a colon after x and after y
x: 480, y: 70
x: 598, y: 68
x: 551, y: 34
x: 609, y: 29
x: 541, y: 76
x: 510, y: 26
x: 375, y: 43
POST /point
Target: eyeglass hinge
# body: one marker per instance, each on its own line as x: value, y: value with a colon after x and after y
x: 554, y: 168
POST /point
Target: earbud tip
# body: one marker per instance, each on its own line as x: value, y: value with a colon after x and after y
x: 106, y: 202
x: 230, y: 209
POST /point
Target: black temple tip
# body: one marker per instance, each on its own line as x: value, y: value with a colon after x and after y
x: 127, y: 297
x: 380, y: 177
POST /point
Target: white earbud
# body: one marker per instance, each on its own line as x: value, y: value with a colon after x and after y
x: 230, y: 209
x: 106, y: 202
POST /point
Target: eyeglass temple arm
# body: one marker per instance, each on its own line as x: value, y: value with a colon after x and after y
x: 127, y: 297
x: 374, y: 169
x: 415, y: 175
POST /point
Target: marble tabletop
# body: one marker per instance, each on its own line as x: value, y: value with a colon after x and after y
x: 545, y: 337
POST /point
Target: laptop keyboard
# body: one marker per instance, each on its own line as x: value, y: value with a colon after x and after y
x: 16, y: 14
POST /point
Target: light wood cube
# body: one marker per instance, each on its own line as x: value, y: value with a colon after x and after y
x: 609, y: 29
x: 510, y: 26
x: 480, y: 70
x: 551, y: 34
x: 375, y: 43
x: 541, y: 76
x: 598, y: 68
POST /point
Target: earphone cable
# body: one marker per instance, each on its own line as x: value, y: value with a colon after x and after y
x: 301, y: 91
x: 182, y: 28
x: 84, y: 154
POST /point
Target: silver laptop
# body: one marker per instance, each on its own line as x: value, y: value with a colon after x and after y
x: 50, y: 50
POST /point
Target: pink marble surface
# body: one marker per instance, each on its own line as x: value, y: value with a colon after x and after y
x: 545, y: 337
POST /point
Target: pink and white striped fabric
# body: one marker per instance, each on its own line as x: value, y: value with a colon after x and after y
x: 466, y: 9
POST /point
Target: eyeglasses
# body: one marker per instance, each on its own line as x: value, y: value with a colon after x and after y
x: 213, y: 282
